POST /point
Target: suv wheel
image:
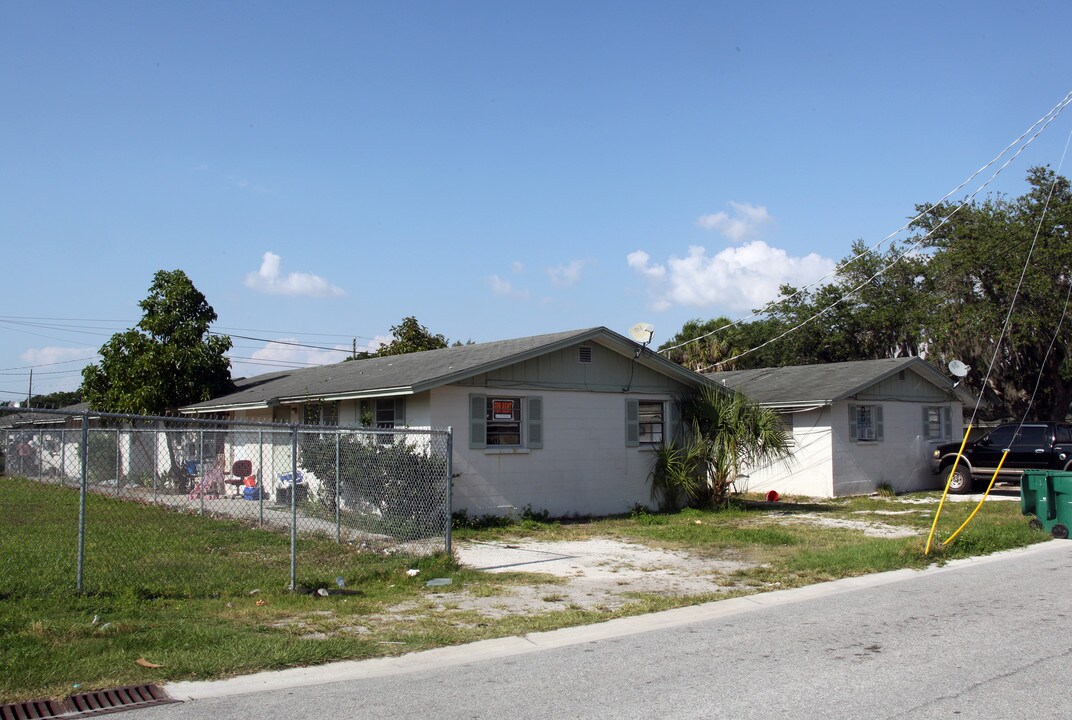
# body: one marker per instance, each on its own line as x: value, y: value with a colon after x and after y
x: 961, y: 482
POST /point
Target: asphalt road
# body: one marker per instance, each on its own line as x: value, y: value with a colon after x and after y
x: 986, y: 638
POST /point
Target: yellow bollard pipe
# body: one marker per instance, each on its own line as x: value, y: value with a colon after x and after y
x: 983, y: 499
x: 945, y: 493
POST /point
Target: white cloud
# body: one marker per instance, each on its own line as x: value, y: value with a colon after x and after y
x: 638, y: 260
x: 518, y: 266
x: 744, y: 224
x: 268, y: 280
x: 284, y: 353
x: 738, y: 278
x: 504, y: 288
x: 566, y: 275
x: 53, y: 355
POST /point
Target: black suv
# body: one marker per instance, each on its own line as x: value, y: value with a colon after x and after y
x: 1031, y: 446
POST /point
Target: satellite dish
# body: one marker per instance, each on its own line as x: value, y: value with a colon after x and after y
x: 958, y: 369
x: 642, y: 332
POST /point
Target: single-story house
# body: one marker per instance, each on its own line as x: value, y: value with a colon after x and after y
x: 563, y: 422
x: 855, y: 425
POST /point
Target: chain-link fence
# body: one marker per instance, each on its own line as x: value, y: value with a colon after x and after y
x: 109, y: 500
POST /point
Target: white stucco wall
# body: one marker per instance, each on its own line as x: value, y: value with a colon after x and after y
x: 901, y: 458
x: 828, y: 463
x: 809, y: 472
x: 584, y: 466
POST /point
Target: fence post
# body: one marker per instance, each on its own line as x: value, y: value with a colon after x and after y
x: 78, y: 583
x: 201, y: 470
x: 118, y: 470
x: 63, y: 456
x: 338, y: 479
x: 263, y: 477
x: 156, y: 455
x: 294, y: 506
x: 450, y: 485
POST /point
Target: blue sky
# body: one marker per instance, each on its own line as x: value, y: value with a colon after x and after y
x: 322, y: 170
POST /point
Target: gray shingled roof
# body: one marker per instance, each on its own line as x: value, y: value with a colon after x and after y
x: 413, y: 372
x: 820, y: 384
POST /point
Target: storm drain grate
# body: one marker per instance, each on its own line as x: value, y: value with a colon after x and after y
x: 88, y: 704
x: 32, y: 709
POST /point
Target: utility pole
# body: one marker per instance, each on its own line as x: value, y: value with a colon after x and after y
x: 29, y: 390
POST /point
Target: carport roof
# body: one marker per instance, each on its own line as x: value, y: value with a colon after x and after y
x: 417, y: 372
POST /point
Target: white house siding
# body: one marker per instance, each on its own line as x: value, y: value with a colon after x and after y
x: 809, y: 471
x: 901, y: 458
x: 828, y: 463
x: 584, y: 466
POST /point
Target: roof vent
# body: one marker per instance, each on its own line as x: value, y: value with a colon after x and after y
x: 584, y: 354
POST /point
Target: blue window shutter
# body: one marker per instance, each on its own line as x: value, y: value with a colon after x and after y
x: 852, y: 423
x: 878, y: 422
x: 478, y: 422
x: 535, y: 417
x: 947, y: 423
x: 400, y: 412
x: 632, y: 423
x: 926, y: 422
x: 673, y: 423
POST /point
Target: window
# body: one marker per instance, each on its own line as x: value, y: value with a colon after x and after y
x: 498, y: 421
x: 937, y: 422
x: 650, y: 419
x: 1031, y: 437
x: 650, y: 422
x: 787, y: 422
x: 1000, y: 437
x: 383, y: 413
x: 321, y: 413
x: 865, y: 423
x: 503, y: 421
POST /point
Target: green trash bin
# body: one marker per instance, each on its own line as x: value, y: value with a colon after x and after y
x: 1047, y: 494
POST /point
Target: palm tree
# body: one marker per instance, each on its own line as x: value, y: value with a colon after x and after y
x: 735, y: 433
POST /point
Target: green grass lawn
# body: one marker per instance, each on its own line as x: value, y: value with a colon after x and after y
x: 208, y: 598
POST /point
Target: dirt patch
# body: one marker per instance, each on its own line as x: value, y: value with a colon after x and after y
x: 588, y: 574
x: 869, y: 528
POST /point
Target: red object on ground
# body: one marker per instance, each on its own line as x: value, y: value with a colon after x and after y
x: 773, y: 496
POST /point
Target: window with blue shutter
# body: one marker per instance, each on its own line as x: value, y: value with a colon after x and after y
x: 865, y: 423
x: 535, y: 422
x: 632, y: 423
x: 478, y: 424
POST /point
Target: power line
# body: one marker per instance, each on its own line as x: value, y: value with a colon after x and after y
x: 1045, y: 121
x: 283, y: 342
x: 59, y: 362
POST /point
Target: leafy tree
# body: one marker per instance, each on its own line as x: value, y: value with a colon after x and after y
x: 410, y: 337
x: 168, y: 360
x: 53, y: 400
x: 734, y: 433
x: 979, y: 254
x: 877, y: 306
x: 721, y: 344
